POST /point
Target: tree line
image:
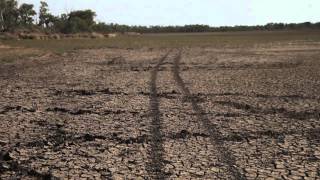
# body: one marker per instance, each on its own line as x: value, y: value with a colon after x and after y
x: 15, y: 17
x: 102, y: 27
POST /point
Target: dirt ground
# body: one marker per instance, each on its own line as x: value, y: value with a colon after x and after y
x: 181, y: 113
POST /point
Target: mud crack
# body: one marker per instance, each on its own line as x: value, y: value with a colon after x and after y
x: 216, y: 136
x: 302, y: 115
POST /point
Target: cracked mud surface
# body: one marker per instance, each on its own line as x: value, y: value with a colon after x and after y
x: 190, y: 113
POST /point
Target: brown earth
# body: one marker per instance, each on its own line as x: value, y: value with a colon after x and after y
x: 189, y: 113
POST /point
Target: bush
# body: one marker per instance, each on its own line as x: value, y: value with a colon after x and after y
x: 96, y: 36
x: 8, y: 36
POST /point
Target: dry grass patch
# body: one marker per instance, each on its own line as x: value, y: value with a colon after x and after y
x: 12, y: 54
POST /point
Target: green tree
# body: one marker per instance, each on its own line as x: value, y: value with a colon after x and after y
x: 2, y: 8
x: 9, y: 14
x: 80, y: 21
x: 85, y: 15
x: 58, y: 23
x: 26, y: 14
x: 45, y: 18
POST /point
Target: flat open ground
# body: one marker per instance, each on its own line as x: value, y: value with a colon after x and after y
x: 213, y: 106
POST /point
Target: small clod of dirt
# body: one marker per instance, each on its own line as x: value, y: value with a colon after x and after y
x: 57, y: 109
x: 83, y: 92
x: 108, y: 92
x: 16, y: 108
x: 89, y: 137
x: 5, y: 156
x: 81, y: 112
x: 131, y: 140
x: 193, y: 99
x: 184, y: 134
x: 314, y: 135
x: 117, y: 61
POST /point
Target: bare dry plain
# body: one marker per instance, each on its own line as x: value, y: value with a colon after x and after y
x: 247, y: 111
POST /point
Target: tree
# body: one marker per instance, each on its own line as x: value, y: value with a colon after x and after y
x: 2, y: 8
x: 26, y: 14
x: 86, y: 15
x: 45, y: 18
x: 102, y: 27
x: 9, y: 13
x: 80, y: 21
x: 59, y: 23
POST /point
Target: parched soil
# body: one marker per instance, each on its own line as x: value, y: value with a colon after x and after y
x: 181, y: 113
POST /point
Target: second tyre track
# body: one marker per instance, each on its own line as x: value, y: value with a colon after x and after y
x: 155, y: 167
x: 216, y: 136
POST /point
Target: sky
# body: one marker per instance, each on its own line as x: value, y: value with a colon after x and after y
x: 181, y: 12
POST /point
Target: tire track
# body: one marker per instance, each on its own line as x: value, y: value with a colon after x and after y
x: 155, y: 167
x: 216, y: 137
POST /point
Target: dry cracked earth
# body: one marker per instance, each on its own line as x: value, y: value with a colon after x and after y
x: 189, y: 113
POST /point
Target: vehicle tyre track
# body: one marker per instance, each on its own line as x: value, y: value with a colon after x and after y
x: 215, y: 136
x: 156, y: 164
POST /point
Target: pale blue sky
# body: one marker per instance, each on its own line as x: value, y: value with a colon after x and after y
x: 181, y: 12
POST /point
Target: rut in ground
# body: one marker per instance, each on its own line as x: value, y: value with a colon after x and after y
x: 216, y: 136
x: 155, y: 167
